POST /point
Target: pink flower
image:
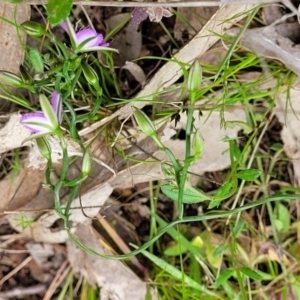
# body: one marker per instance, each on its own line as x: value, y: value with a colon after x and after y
x: 86, y: 39
x: 46, y: 121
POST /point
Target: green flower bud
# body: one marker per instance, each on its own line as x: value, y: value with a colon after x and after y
x: 90, y: 75
x: 33, y: 28
x: 86, y: 163
x: 147, y: 126
x: 194, y: 80
x: 11, y: 79
x: 44, y: 147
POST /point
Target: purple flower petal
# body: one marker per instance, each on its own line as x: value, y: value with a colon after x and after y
x: 90, y: 44
x: 36, y: 122
x: 56, y: 103
x: 64, y: 26
x: 89, y: 35
x: 86, y: 39
x: 139, y: 14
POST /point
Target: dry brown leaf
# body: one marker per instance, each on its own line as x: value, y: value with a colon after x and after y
x: 128, y: 42
x: 116, y: 280
x: 19, y: 191
x: 136, y: 71
x: 41, y: 230
x: 12, y: 134
x: 287, y: 112
x: 274, y: 252
x: 12, y: 53
x: 196, y: 18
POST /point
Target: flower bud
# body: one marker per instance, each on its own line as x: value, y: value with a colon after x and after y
x: 11, y: 79
x: 44, y: 147
x: 90, y: 75
x: 33, y: 28
x: 86, y: 163
x: 194, y: 80
x: 147, y: 126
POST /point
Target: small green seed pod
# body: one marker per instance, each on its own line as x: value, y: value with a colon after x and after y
x: 33, y: 28
x: 147, y: 126
x: 86, y: 163
x: 90, y: 76
x: 194, y: 80
x: 11, y: 79
x: 44, y: 147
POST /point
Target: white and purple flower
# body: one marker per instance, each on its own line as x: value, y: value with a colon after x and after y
x: 46, y: 121
x: 86, y: 39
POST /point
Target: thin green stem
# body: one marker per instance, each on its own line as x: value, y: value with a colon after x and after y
x: 206, y: 217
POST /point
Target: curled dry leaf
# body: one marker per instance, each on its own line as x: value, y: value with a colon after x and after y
x: 136, y: 71
x: 128, y: 41
x: 9, y: 141
x: 18, y: 191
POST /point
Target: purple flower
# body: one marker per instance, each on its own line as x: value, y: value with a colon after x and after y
x: 46, y: 121
x: 86, y: 39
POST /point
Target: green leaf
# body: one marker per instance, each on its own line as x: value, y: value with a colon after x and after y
x: 58, y: 10
x: 36, y: 60
x: 249, y: 174
x: 175, y: 250
x: 235, y: 150
x: 240, y: 226
x: 219, y: 250
x: 276, y: 147
x: 283, y: 221
x: 222, y: 193
x: 177, y: 274
x: 190, y: 194
x: 246, y: 127
x: 178, y: 249
x: 223, y: 277
x: 251, y: 273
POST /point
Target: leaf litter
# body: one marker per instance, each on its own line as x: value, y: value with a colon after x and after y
x: 271, y: 44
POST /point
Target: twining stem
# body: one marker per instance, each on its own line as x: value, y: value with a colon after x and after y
x: 206, y: 217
